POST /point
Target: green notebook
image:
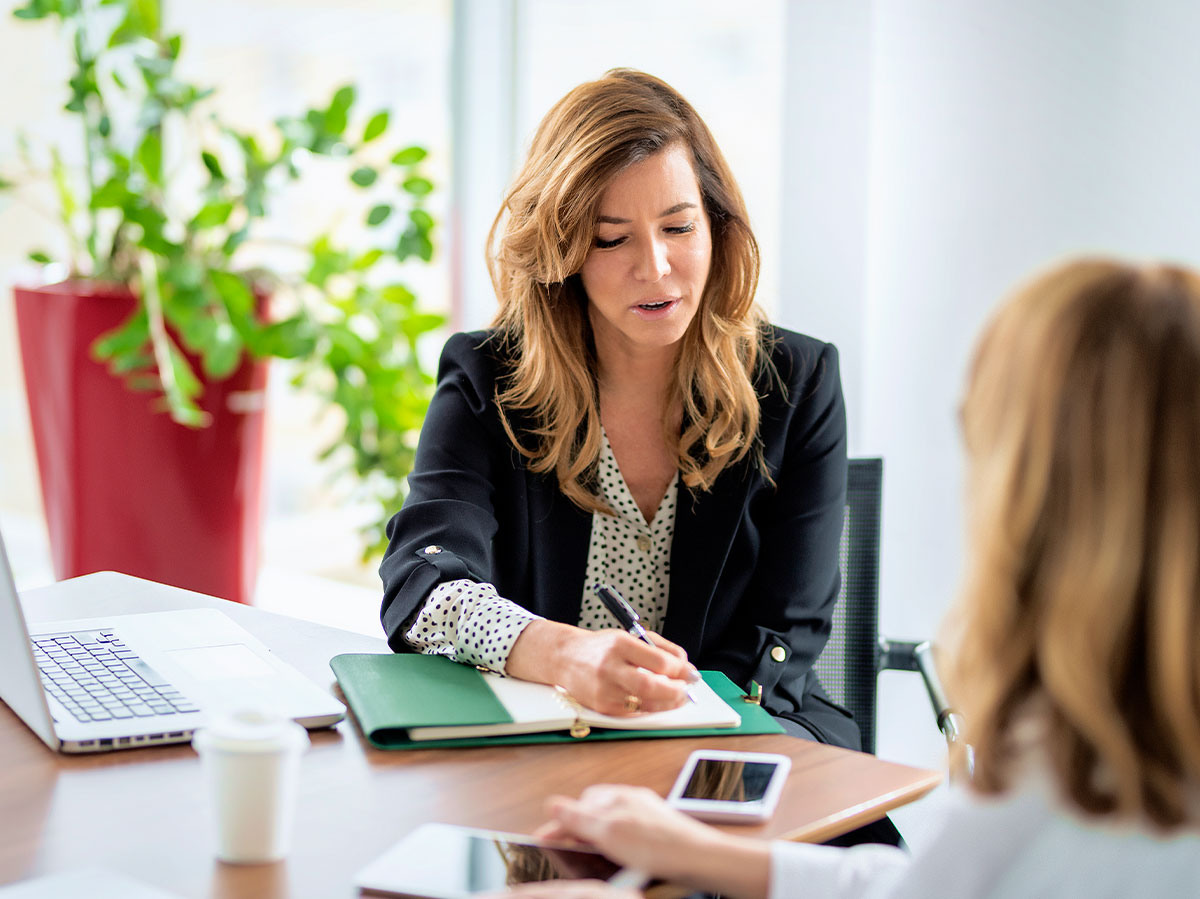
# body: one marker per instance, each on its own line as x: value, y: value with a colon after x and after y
x: 412, y: 701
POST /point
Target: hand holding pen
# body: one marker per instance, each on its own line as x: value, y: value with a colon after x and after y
x: 630, y: 621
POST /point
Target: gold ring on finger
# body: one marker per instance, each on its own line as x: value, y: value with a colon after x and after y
x: 632, y: 703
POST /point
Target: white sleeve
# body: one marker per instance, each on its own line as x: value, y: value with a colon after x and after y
x: 802, y: 869
x: 469, y: 622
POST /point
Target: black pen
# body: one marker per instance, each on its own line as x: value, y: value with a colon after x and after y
x: 626, y: 616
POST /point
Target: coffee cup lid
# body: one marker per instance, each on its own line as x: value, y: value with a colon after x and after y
x: 250, y: 730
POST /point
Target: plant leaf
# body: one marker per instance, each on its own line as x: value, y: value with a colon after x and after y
x: 417, y: 186
x: 111, y: 194
x: 292, y: 338
x: 420, y: 322
x: 367, y: 259
x: 410, y: 156
x: 376, y: 126
x: 422, y: 219
x: 223, y: 352
x: 130, y: 336
x: 142, y: 20
x: 326, y: 261
x: 338, y: 114
x: 149, y: 156
x: 188, y: 385
x: 399, y: 294
x: 235, y: 240
x: 379, y: 214
x: 234, y: 293
x: 414, y: 242
x: 62, y: 186
x: 134, y: 361
x: 35, y: 10
x: 212, y: 214
x: 213, y: 165
x: 364, y: 176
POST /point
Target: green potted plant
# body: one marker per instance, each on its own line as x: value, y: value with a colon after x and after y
x: 145, y: 367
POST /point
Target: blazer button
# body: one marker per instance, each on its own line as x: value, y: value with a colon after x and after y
x: 432, y: 550
x: 778, y: 653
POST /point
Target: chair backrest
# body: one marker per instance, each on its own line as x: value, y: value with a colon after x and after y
x: 848, y: 666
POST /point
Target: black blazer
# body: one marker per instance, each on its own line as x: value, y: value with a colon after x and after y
x: 754, y: 565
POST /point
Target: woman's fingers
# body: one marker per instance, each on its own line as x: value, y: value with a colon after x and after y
x: 609, y: 671
x: 634, y: 677
x: 664, y: 658
x: 667, y: 646
x: 631, y: 825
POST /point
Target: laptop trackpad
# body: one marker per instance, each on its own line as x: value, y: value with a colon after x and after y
x: 210, y: 663
x: 233, y: 675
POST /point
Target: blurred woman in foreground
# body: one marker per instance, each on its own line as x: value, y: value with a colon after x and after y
x: 1075, y: 648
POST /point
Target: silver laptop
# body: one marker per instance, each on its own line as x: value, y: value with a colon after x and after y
x: 96, y: 684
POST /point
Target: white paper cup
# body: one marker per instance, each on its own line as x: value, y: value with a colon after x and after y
x: 252, y: 764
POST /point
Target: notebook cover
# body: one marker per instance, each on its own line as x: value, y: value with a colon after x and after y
x: 387, y: 691
x: 362, y: 681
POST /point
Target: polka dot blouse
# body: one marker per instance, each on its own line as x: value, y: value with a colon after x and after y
x: 470, y: 622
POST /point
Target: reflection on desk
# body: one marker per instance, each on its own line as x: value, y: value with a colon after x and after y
x: 94, y: 883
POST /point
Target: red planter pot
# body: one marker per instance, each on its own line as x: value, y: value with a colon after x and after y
x: 124, y: 487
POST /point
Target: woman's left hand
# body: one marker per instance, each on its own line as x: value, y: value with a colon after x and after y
x: 634, y: 827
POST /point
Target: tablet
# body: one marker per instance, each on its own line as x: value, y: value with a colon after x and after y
x: 442, y: 861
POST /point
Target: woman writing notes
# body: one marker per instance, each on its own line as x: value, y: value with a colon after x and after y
x: 1076, y: 644
x: 630, y: 419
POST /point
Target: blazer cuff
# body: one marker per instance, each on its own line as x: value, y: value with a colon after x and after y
x: 772, y: 662
x: 450, y: 566
x: 441, y: 565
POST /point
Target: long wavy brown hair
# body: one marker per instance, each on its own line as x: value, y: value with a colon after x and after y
x: 537, y: 246
x: 1080, y: 618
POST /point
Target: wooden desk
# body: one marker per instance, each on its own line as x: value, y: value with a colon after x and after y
x: 143, y: 812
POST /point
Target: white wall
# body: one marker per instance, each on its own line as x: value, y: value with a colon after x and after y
x: 1005, y: 134
x: 935, y: 153
x: 823, y: 183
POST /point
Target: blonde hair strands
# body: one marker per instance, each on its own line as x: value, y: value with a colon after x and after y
x: 1081, y: 607
x: 537, y: 246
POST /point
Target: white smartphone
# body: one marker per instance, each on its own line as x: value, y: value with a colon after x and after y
x: 730, y: 787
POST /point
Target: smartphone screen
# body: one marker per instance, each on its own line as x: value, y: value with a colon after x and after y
x: 729, y: 781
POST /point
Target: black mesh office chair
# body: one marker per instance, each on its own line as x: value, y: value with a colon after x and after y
x: 850, y: 664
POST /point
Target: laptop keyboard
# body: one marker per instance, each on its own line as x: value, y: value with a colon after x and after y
x: 96, y: 677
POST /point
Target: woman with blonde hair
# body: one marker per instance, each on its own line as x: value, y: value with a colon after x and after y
x: 631, y: 419
x: 1075, y: 649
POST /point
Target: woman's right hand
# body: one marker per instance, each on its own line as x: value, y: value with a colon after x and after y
x: 602, y: 669
x: 635, y: 828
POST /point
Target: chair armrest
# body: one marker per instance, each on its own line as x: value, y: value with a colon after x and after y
x: 948, y: 720
x: 903, y: 655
